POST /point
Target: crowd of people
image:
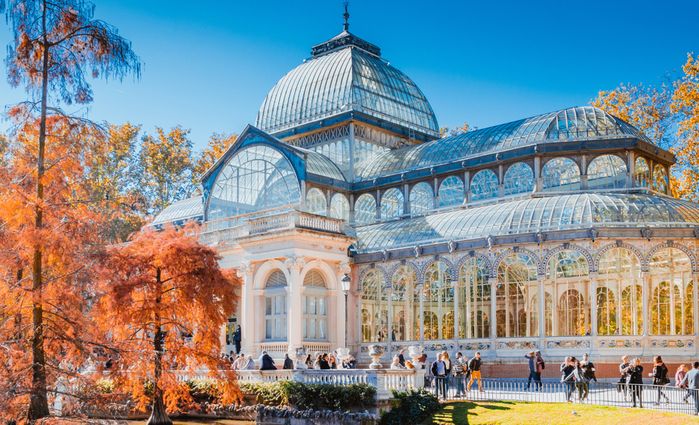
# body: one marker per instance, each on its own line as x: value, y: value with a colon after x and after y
x: 241, y: 361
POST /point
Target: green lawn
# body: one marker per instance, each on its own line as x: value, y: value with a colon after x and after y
x: 506, y: 412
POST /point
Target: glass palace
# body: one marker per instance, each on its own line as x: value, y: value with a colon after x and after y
x: 555, y: 232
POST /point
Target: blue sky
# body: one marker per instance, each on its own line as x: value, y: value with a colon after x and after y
x: 208, y: 64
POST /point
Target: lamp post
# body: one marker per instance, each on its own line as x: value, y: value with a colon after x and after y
x: 345, y: 282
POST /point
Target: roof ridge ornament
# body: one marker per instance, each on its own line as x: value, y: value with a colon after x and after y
x: 346, y: 15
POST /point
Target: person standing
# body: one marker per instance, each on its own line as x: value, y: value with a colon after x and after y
x: 635, y: 379
x: 540, y: 366
x: 567, y: 377
x: 691, y: 380
x: 237, y: 337
x: 460, y: 370
x: 623, y: 384
x: 439, y: 371
x: 588, y: 369
x: 531, y: 363
x: 679, y: 377
x: 474, y: 366
x: 660, y: 379
x: 288, y: 364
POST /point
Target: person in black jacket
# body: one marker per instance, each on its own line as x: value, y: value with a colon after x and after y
x: 439, y: 371
x: 659, y: 375
x: 266, y: 362
x: 288, y: 363
x: 474, y: 366
x: 635, y: 379
x: 567, y: 377
x: 237, y: 337
x: 623, y: 385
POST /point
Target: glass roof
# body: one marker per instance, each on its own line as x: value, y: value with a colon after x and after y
x: 319, y: 164
x: 573, y: 124
x: 346, y: 79
x: 531, y: 216
x: 186, y: 209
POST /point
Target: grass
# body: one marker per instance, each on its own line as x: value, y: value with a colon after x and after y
x: 507, y: 412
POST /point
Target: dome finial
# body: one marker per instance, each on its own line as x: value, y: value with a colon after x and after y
x: 346, y: 15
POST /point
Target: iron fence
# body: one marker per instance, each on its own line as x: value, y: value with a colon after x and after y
x: 666, y: 398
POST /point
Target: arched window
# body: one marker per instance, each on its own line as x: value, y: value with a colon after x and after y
x: 405, y: 310
x: 339, y: 207
x: 391, y: 204
x: 438, y: 301
x: 671, y: 307
x: 315, y: 308
x: 660, y: 181
x: 316, y: 202
x: 474, y: 299
x: 519, y: 178
x: 606, y: 172
x: 516, y: 284
x: 619, y: 280
x: 365, y: 209
x: 568, y: 280
x: 641, y: 172
x: 484, y: 185
x: 421, y: 199
x: 375, y: 302
x: 275, y: 306
x: 451, y: 192
x: 561, y: 174
x: 256, y: 178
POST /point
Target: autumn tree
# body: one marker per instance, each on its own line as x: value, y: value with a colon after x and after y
x: 165, y: 166
x: 55, y: 45
x: 685, y: 103
x: 217, y: 145
x: 166, y: 300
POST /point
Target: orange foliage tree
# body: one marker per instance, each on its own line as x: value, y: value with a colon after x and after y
x: 165, y: 302
x: 53, y: 43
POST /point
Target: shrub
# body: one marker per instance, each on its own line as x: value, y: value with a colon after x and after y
x: 413, y: 406
x: 312, y: 396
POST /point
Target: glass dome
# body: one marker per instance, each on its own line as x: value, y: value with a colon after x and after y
x: 346, y: 74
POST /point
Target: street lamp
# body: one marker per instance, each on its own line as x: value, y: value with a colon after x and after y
x: 345, y: 282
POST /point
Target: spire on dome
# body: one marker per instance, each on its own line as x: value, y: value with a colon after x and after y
x: 346, y: 15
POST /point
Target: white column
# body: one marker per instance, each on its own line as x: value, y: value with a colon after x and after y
x: 542, y: 309
x: 455, y: 283
x: 247, y: 311
x: 646, y: 282
x: 421, y: 316
x: 294, y: 313
x: 342, y: 326
x: 593, y: 304
x: 493, y: 282
x: 538, y: 181
x: 631, y: 167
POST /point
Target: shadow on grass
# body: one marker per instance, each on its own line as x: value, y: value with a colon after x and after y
x: 457, y: 413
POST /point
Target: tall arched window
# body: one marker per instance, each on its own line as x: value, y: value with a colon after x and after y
x: 275, y: 306
x: 484, y: 185
x: 391, y: 204
x: 619, y: 281
x: 516, y: 285
x: 671, y: 293
x: 405, y: 312
x: 660, y: 181
x: 339, y: 207
x: 316, y: 202
x: 438, y: 302
x: 606, y: 172
x: 641, y: 173
x: 561, y: 174
x: 375, y: 302
x: 365, y: 209
x: 315, y: 308
x: 474, y: 299
x: 255, y: 178
x: 519, y: 178
x: 568, y: 280
x: 421, y: 199
x: 451, y: 192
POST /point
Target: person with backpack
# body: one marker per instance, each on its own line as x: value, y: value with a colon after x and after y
x: 474, y: 367
x: 439, y: 371
x: 660, y: 379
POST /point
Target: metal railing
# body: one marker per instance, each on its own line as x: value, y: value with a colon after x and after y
x: 666, y: 398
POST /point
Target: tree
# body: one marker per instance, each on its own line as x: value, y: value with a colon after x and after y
x: 165, y: 163
x: 218, y: 145
x: 166, y: 302
x: 53, y: 43
x: 685, y: 103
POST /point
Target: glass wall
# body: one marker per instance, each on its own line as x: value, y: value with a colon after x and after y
x: 451, y: 192
x: 421, y: 199
x: 484, y: 185
x: 391, y: 204
x: 374, y: 307
x: 316, y: 202
x: 339, y: 207
x: 671, y: 293
x: 405, y: 305
x: 660, y: 181
x: 568, y: 284
x: 606, y: 172
x: 474, y: 299
x: 619, y: 293
x: 516, y: 297
x: 519, y: 178
x: 641, y: 175
x: 561, y: 174
x: 256, y: 178
x: 365, y: 209
x: 438, y: 302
